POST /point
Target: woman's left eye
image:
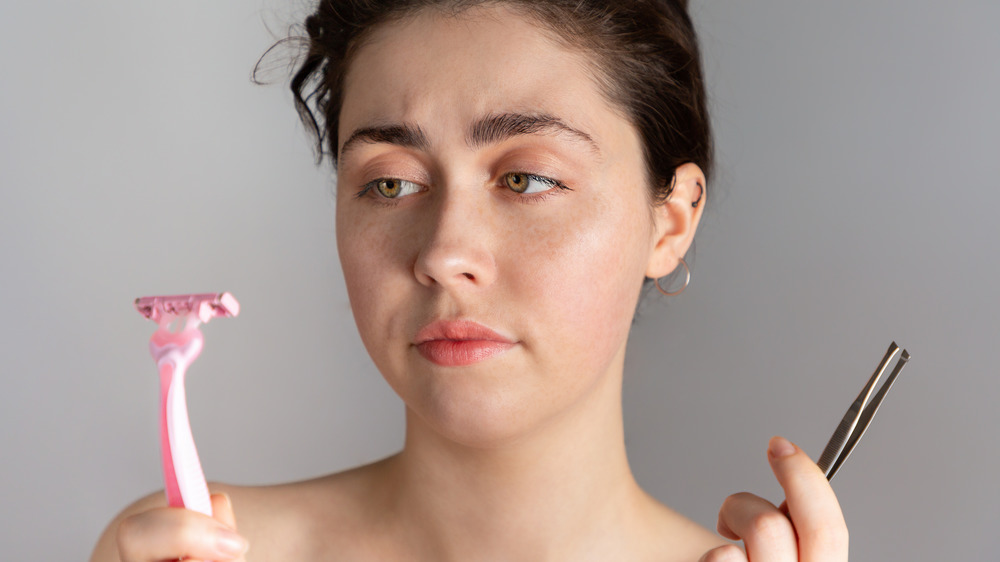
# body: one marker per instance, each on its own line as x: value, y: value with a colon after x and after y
x: 520, y: 182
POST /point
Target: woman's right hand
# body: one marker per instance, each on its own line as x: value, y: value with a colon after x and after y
x: 809, y: 527
x: 169, y: 533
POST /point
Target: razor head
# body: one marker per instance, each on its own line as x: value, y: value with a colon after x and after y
x: 205, y: 306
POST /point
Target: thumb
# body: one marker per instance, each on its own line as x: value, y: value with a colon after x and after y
x: 810, y: 502
x: 222, y: 511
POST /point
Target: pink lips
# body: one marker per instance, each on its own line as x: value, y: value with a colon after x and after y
x: 459, y: 342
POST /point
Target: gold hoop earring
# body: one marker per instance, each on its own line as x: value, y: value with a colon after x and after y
x: 687, y: 280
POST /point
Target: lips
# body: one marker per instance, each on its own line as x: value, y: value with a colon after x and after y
x: 453, y: 343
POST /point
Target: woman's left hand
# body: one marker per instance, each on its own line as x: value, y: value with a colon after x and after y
x: 811, y: 528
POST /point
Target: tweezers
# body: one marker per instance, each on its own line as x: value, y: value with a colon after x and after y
x: 859, y: 416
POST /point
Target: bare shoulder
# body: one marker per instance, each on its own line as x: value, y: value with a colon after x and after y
x: 310, y: 519
x: 302, y: 520
x: 342, y: 516
x: 673, y: 537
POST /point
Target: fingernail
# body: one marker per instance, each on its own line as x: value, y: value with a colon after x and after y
x: 225, y: 498
x: 229, y: 543
x: 780, y: 447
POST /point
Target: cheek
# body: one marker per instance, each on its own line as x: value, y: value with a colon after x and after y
x: 585, y: 273
x: 367, y: 258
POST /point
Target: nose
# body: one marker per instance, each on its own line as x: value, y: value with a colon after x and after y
x: 456, y: 252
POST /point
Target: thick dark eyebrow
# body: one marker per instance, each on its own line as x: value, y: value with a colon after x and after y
x: 494, y: 129
x: 490, y: 130
x: 403, y: 135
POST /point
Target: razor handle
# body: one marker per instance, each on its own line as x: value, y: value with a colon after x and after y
x: 184, y: 481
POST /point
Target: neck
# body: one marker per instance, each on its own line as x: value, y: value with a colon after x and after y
x: 531, y: 497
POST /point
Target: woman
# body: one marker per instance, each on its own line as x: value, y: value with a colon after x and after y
x: 509, y: 173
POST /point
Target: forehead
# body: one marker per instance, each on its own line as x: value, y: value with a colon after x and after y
x: 442, y: 70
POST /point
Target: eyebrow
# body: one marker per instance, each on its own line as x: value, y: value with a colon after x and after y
x: 402, y: 135
x: 490, y: 130
x: 494, y: 129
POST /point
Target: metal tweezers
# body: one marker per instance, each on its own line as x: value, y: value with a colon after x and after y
x: 858, y: 416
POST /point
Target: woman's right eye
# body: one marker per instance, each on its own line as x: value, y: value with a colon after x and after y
x: 391, y: 188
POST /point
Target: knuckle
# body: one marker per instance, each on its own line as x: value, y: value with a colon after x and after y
x: 726, y: 553
x: 126, y: 533
x: 157, y: 531
x: 187, y: 532
x: 770, y: 526
x: 735, y: 499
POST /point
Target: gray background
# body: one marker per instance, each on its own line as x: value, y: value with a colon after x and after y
x: 855, y: 203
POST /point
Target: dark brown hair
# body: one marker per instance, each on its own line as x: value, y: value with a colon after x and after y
x: 646, y: 56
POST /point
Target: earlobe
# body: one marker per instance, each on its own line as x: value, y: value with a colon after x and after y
x: 676, y: 219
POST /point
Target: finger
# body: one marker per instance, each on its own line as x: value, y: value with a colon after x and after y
x: 764, y: 529
x: 222, y: 510
x: 172, y: 533
x: 724, y: 553
x: 812, y: 505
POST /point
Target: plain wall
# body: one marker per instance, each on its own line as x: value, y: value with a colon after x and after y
x: 854, y: 203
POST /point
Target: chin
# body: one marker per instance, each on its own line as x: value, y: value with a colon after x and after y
x: 479, y: 418
x: 498, y: 402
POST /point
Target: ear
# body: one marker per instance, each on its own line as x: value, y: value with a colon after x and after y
x: 676, y: 220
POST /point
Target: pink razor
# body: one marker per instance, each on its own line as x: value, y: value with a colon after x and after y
x: 174, y: 351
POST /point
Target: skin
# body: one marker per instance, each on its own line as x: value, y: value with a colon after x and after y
x: 520, y: 456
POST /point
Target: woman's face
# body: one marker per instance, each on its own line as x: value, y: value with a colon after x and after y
x: 493, y: 222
